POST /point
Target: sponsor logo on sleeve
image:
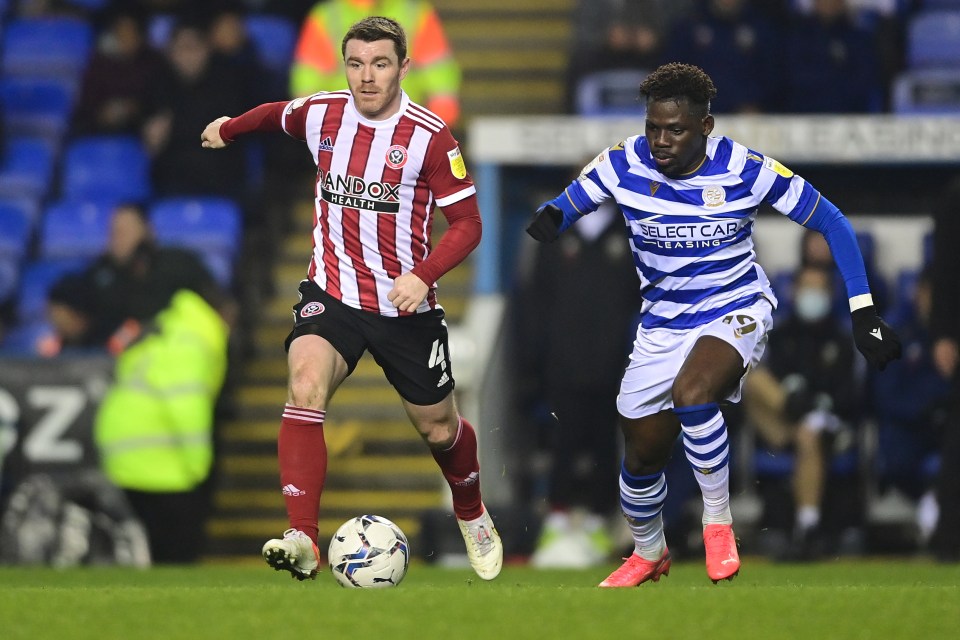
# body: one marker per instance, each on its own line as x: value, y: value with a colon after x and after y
x: 293, y: 105
x: 457, y: 166
x: 593, y: 164
x: 777, y: 168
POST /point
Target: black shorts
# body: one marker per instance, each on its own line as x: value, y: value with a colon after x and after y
x: 412, y: 350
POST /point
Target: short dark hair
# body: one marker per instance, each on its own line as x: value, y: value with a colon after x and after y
x: 678, y: 81
x: 377, y: 28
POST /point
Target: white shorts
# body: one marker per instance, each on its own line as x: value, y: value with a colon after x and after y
x: 658, y: 355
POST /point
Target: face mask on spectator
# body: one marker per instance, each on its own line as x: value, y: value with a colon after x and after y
x: 812, y: 304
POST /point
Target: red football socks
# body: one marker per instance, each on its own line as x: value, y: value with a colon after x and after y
x: 303, y: 466
x: 461, y: 469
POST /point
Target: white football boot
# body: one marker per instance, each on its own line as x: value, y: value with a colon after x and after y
x: 484, y: 548
x: 295, y: 553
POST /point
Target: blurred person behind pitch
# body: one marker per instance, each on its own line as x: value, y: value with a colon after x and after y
x: 909, y: 405
x: 804, y: 398
x: 119, y: 79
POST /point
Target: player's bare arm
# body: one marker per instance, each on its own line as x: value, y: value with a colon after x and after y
x: 408, y: 292
x: 210, y: 138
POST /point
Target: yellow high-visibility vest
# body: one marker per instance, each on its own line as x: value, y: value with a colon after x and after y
x: 154, y: 428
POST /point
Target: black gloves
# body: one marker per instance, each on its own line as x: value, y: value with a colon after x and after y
x: 874, y: 338
x: 546, y: 223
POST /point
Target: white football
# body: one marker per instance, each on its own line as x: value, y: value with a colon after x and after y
x: 369, y: 552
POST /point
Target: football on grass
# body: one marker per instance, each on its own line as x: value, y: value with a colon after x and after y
x: 369, y: 552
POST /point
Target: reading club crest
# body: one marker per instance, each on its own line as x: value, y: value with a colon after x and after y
x: 714, y: 196
x: 396, y: 156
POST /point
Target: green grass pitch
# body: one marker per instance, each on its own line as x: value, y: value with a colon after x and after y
x: 846, y: 600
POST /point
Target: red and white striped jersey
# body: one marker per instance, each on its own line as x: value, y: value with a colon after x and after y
x: 378, y: 184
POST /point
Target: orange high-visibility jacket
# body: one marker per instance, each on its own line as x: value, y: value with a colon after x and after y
x: 434, y: 77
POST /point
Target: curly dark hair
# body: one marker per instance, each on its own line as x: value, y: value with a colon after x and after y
x: 676, y: 81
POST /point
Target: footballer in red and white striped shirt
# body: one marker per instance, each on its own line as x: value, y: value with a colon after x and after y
x: 383, y: 165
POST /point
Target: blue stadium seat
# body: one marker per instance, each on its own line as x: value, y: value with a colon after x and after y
x: 932, y: 39
x: 106, y: 168
x: 610, y: 93
x: 46, y: 46
x: 920, y: 91
x: 767, y: 463
x: 37, y: 106
x: 26, y: 169
x: 72, y: 229
x: 868, y: 247
x: 26, y: 340
x: 28, y: 208
x: 15, y: 230
x: 901, y: 306
x: 210, y: 226
x: 782, y: 283
x: 275, y: 38
x: 35, y: 282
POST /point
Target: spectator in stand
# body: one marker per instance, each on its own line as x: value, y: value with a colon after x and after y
x: 434, y: 77
x: 575, y: 378
x: 815, y: 251
x: 199, y: 86
x: 833, y: 63
x: 118, y: 82
x: 945, y: 331
x: 235, y: 53
x: 804, y: 396
x: 127, y: 285
x: 633, y: 36
x: 735, y: 46
x: 74, y: 316
x: 910, y: 407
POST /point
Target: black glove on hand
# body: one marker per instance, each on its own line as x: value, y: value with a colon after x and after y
x: 546, y: 223
x: 874, y: 338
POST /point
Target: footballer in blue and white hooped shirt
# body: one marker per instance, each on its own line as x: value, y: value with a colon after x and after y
x: 690, y: 201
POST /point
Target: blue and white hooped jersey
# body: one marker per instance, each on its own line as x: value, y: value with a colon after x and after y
x: 691, y: 237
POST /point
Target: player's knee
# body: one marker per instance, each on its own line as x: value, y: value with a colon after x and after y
x: 306, y: 391
x: 689, y: 391
x: 438, y: 434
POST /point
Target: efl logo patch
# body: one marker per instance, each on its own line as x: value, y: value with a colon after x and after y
x: 312, y: 309
x: 457, y: 166
x: 326, y: 144
x: 778, y: 168
x: 296, y: 104
x: 396, y: 156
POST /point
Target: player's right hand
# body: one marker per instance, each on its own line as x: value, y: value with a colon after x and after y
x: 545, y: 226
x: 210, y: 138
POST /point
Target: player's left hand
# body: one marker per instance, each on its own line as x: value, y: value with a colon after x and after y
x: 545, y: 226
x: 210, y: 138
x: 408, y: 292
x: 875, y: 339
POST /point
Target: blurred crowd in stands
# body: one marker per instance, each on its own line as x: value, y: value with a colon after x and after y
x: 776, y: 56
